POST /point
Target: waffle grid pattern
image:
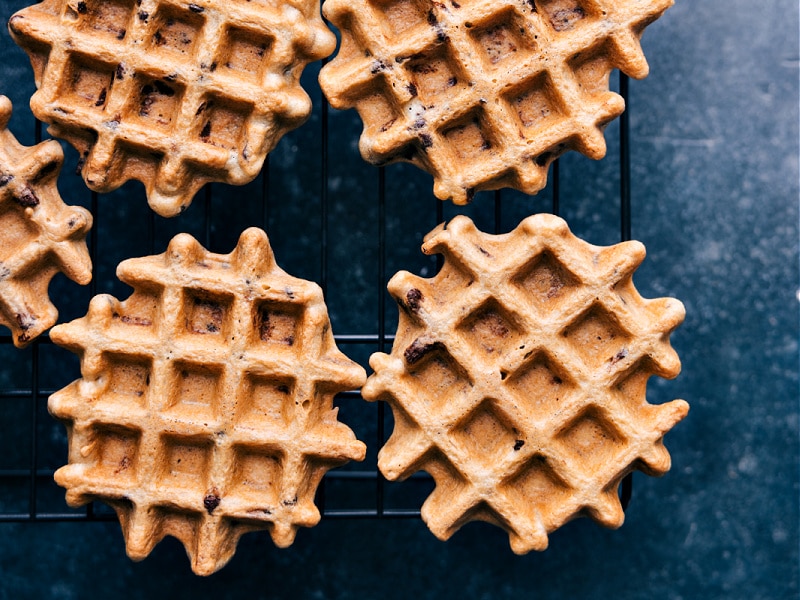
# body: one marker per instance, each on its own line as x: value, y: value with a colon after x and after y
x: 173, y: 93
x: 41, y: 236
x: 205, y: 405
x: 519, y: 382
x: 484, y: 94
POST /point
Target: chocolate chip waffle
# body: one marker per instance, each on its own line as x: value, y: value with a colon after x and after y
x: 205, y: 405
x: 484, y: 94
x: 39, y: 234
x: 518, y: 375
x: 172, y: 93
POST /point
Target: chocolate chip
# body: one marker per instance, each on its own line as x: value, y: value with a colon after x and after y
x: 144, y: 108
x: 124, y: 464
x: 27, y: 198
x: 418, y: 349
x: 618, y: 356
x: 211, y: 502
x: 414, y: 297
x: 196, y: 9
x: 378, y: 66
x: 25, y: 322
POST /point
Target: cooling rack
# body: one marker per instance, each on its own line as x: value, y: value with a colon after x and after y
x: 331, y: 218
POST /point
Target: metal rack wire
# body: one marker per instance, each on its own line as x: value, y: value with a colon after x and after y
x: 29, y: 481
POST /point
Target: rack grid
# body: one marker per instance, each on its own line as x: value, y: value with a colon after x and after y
x: 27, y: 490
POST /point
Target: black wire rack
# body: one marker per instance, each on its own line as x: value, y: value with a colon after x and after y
x: 33, y: 445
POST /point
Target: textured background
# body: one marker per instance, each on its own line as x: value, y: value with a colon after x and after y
x: 715, y: 199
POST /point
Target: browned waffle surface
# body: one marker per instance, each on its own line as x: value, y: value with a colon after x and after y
x: 484, y: 94
x: 205, y: 405
x: 518, y: 376
x: 39, y: 234
x: 172, y: 93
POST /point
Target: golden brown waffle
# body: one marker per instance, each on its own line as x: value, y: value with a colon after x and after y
x: 484, y: 94
x: 39, y: 234
x: 171, y: 92
x: 517, y: 379
x: 205, y: 407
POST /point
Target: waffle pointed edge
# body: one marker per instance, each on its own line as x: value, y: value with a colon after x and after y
x: 501, y: 392
x: 39, y: 234
x: 204, y: 410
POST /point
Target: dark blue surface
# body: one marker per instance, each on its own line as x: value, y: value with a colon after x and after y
x: 714, y: 142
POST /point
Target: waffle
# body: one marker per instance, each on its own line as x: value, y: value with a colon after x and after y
x: 484, y: 94
x: 205, y: 405
x: 172, y: 93
x: 517, y: 379
x: 39, y: 235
